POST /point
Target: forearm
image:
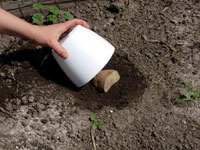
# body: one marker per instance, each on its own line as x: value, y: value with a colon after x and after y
x: 12, y: 25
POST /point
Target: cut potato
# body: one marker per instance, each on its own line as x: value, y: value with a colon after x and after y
x: 105, y: 79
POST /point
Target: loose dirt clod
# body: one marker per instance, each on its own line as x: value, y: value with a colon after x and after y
x: 105, y: 79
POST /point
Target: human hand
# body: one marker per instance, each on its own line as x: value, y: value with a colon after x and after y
x: 49, y: 35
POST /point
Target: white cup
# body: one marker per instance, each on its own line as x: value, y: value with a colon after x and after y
x: 88, y: 53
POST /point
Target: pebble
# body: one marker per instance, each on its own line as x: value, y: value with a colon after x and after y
x: 40, y: 107
x: 24, y: 100
x: 111, y: 20
x: 25, y: 123
x: 31, y: 99
x: 44, y: 121
x: 2, y: 119
x: 18, y: 101
x: 2, y: 74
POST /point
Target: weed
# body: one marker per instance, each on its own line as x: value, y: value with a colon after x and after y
x: 184, y: 84
x: 95, y: 123
x: 123, y: 26
x: 120, y: 11
x: 187, y: 96
x: 196, y: 37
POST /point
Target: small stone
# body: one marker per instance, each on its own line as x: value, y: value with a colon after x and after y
x: 175, y: 21
x: 111, y: 111
x: 38, y: 47
x: 184, y: 122
x: 62, y: 139
x: 25, y: 123
x: 2, y: 119
x: 111, y: 20
x: 24, y: 100
x: 2, y: 74
x: 31, y: 99
x: 144, y: 37
x: 18, y: 101
x: 40, y: 107
x: 44, y: 121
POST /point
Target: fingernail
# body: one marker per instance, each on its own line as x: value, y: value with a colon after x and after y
x: 65, y: 55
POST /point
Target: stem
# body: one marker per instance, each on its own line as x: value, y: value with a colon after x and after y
x: 93, y: 140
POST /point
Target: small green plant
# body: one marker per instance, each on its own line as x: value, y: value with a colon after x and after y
x: 68, y: 15
x: 52, y: 18
x: 37, y: 6
x: 188, y: 96
x: 184, y: 84
x: 54, y: 10
x: 37, y: 18
x: 196, y: 37
x: 95, y: 123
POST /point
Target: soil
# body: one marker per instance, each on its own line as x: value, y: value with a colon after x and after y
x: 156, y: 42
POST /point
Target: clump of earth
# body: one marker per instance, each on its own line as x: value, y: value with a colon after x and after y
x: 156, y: 42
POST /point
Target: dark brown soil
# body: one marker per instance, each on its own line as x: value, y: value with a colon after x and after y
x: 156, y: 43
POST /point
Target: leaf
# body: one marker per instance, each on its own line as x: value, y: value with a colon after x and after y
x: 187, y: 95
x: 54, y: 10
x: 179, y: 98
x: 37, y: 18
x: 52, y: 18
x: 68, y: 15
x: 93, y: 117
x: 100, y: 126
x: 94, y: 127
x: 172, y: 48
x: 195, y: 95
x: 37, y: 6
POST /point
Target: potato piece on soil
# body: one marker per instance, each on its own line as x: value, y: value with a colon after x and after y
x: 105, y: 79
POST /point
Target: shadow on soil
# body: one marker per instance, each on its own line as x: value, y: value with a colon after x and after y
x: 130, y: 87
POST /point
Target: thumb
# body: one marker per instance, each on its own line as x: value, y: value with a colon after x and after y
x: 61, y: 51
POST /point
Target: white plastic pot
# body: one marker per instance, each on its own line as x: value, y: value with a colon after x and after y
x: 88, y: 53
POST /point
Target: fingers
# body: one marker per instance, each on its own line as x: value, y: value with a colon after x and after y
x: 59, y: 49
x: 73, y: 22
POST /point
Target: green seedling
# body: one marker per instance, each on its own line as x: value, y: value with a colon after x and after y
x: 68, y: 15
x: 37, y: 6
x: 196, y: 37
x: 187, y: 96
x: 37, y: 18
x: 54, y: 10
x: 184, y: 84
x: 52, y: 18
x: 120, y: 11
x: 95, y: 123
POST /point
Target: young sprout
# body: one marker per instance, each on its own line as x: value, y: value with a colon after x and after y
x: 95, y: 123
x: 37, y: 18
x: 52, y: 18
x: 37, y: 6
x: 68, y: 15
x: 54, y: 10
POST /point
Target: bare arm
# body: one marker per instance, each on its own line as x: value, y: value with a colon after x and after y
x: 12, y: 25
x: 45, y: 35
